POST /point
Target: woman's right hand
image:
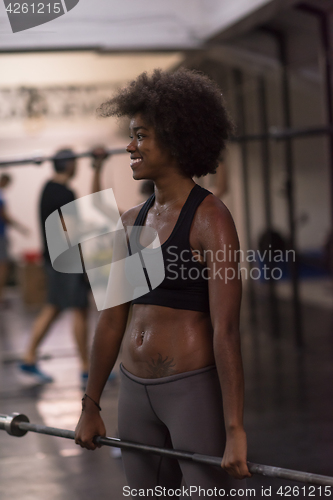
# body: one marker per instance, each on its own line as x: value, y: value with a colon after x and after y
x: 89, y: 426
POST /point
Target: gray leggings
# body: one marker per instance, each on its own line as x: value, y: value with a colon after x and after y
x: 183, y: 412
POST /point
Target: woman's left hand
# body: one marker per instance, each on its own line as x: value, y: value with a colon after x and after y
x: 234, y: 458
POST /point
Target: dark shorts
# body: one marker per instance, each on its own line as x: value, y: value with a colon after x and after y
x: 3, y: 249
x: 66, y: 290
x: 183, y: 412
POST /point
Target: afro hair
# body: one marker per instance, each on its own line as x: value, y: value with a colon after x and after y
x: 187, y: 111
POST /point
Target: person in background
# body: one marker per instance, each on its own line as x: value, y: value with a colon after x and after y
x: 64, y: 291
x: 99, y: 155
x: 5, y: 221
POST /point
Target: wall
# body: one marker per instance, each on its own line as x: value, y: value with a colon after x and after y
x: 68, y: 78
x: 256, y: 56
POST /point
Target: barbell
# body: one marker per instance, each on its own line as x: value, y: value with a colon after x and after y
x: 38, y: 160
x: 18, y: 425
x: 274, y: 133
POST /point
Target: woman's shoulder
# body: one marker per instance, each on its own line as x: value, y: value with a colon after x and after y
x: 128, y: 218
x: 213, y: 221
x: 212, y: 209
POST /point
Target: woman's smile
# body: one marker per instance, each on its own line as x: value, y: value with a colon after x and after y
x: 135, y: 162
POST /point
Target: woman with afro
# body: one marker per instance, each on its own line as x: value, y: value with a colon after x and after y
x: 181, y: 373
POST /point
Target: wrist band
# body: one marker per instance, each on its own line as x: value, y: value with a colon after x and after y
x: 96, y: 404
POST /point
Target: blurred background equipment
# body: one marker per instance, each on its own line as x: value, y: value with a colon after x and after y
x: 38, y: 160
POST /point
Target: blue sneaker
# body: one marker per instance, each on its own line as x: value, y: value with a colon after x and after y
x: 36, y: 373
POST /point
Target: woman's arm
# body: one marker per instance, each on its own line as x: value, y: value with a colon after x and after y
x: 108, y: 337
x: 219, y: 239
x: 107, y: 340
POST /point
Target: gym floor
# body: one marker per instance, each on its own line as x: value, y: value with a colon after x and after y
x: 288, y: 416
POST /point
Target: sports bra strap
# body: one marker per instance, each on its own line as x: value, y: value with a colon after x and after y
x: 195, y: 198
x: 141, y: 217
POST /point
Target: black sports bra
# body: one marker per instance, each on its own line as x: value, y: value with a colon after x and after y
x: 185, y: 285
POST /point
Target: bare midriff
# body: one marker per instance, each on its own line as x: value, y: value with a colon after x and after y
x: 161, y: 341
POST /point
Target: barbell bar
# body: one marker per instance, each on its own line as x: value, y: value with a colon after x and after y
x: 18, y: 425
x: 277, y: 134
x: 274, y: 133
x: 38, y: 160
